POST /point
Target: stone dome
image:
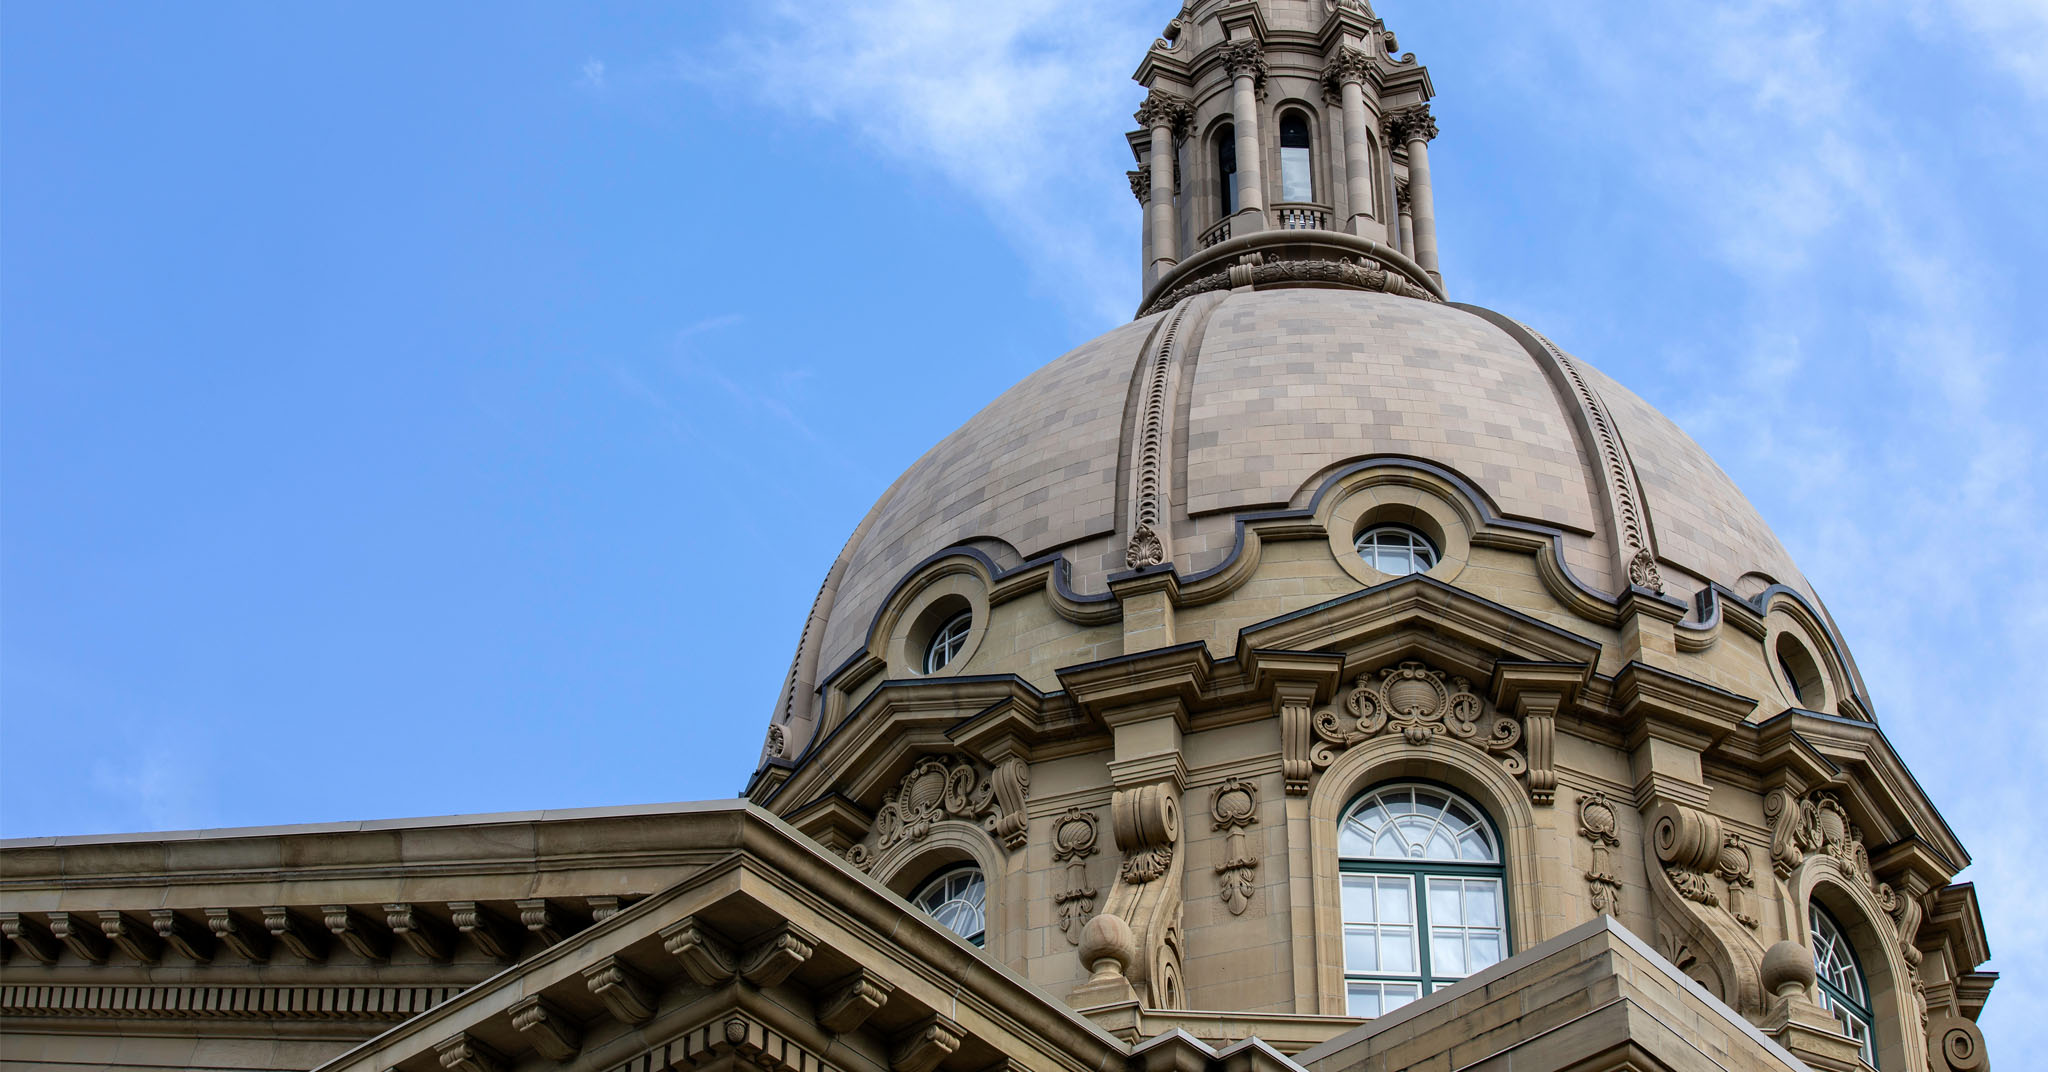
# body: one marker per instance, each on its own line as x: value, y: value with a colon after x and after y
x: 1272, y: 392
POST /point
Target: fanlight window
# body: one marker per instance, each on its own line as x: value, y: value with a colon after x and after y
x: 1423, y: 897
x: 957, y: 899
x: 947, y: 642
x: 1396, y: 549
x: 1842, y: 989
x: 1296, y: 178
x: 1226, y: 166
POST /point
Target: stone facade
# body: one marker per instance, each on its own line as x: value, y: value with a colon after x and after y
x: 1177, y: 675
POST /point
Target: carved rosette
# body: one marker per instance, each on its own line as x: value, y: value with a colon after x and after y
x: 1410, y: 124
x: 940, y: 788
x: 1599, y: 823
x: 1074, y: 837
x: 1425, y: 707
x: 1232, y: 807
x: 778, y: 742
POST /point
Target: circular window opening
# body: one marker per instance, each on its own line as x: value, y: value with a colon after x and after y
x: 957, y: 899
x: 1802, y: 674
x: 1396, y: 550
x: 947, y: 642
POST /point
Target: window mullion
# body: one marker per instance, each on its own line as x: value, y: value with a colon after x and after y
x: 1422, y: 932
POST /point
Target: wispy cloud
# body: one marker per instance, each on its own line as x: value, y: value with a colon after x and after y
x: 1017, y: 104
x: 592, y: 76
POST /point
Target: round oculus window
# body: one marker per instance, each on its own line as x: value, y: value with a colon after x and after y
x: 947, y: 641
x: 1396, y: 550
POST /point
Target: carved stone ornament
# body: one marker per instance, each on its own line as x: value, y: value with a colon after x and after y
x: 778, y: 742
x: 1424, y: 706
x: 1233, y: 807
x: 1170, y: 110
x: 1598, y: 824
x: 1733, y: 866
x: 1348, y: 65
x: 939, y: 788
x: 1643, y: 571
x: 1362, y: 273
x: 1411, y: 124
x: 1147, y: 829
x: 1146, y: 547
x: 1818, y: 823
x: 1074, y: 837
x: 1246, y: 58
x: 1141, y: 184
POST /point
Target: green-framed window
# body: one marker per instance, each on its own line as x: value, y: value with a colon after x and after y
x: 1843, y: 988
x: 1424, y: 894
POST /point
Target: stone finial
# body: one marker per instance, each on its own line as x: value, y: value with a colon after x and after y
x: 1788, y: 970
x: 1411, y: 124
x: 1107, y: 948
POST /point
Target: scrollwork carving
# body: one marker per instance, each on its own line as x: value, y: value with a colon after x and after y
x: 1348, y: 65
x: 940, y: 788
x: 1147, y: 829
x: 1246, y: 58
x: 1232, y: 807
x: 1169, y: 110
x: 1424, y: 706
x: 1733, y: 866
x: 1074, y: 837
x: 1411, y: 124
x: 1598, y: 823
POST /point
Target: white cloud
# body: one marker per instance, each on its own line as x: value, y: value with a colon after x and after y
x: 1017, y: 104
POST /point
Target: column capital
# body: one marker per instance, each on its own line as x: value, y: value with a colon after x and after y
x: 1246, y: 58
x: 1401, y: 195
x: 1411, y: 124
x: 1141, y: 183
x: 1169, y: 110
x: 1348, y: 65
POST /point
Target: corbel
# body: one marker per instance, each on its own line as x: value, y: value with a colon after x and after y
x: 1010, y: 777
x: 921, y: 1048
x: 308, y: 942
x: 362, y: 935
x: 482, y: 926
x: 426, y: 935
x: 769, y: 960
x: 1298, y: 681
x: 849, y: 1002
x: 134, y: 939
x: 81, y: 935
x: 466, y: 1053
x: 705, y: 955
x: 1537, y: 692
x: 604, y: 908
x: 544, y: 919
x: 29, y: 936
x: 249, y: 943
x: 626, y: 994
x: 192, y: 941
x: 551, y: 1032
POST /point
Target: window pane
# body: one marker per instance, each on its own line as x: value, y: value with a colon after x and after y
x: 1472, y: 846
x: 1399, y: 994
x: 1358, y: 899
x: 1397, y: 949
x: 1485, y: 952
x: 1397, y: 898
x: 1363, y: 999
x: 1295, y: 184
x: 1361, y: 953
x: 1482, y: 903
x: 1443, y: 901
x: 1446, y: 952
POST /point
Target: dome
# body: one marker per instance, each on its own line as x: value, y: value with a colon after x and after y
x: 1270, y: 393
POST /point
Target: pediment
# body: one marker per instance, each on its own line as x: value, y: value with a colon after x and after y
x: 779, y: 957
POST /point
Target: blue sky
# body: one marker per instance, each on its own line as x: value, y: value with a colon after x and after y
x: 414, y: 409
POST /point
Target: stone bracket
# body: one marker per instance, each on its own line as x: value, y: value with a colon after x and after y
x: 427, y: 936
x: 466, y: 1053
x: 135, y: 939
x: 626, y: 994
x: 922, y: 1047
x: 550, y: 1031
x: 192, y: 941
x: 81, y: 934
x: 245, y: 941
x: 848, y: 1003
x: 308, y: 942
x: 490, y: 933
x: 29, y: 936
x: 363, y: 936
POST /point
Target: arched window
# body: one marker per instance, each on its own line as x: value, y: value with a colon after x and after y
x: 1297, y: 182
x: 947, y: 642
x: 1226, y: 166
x: 1396, y: 549
x: 1843, y: 990
x: 1424, y: 903
x: 957, y: 899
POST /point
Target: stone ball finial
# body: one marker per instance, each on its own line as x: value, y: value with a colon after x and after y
x: 1108, y: 946
x: 1788, y: 968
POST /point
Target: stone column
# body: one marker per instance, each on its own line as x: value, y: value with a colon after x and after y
x: 1247, y: 66
x: 1414, y: 128
x: 1141, y: 188
x: 1406, y: 238
x: 1165, y: 115
x: 1346, y: 74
